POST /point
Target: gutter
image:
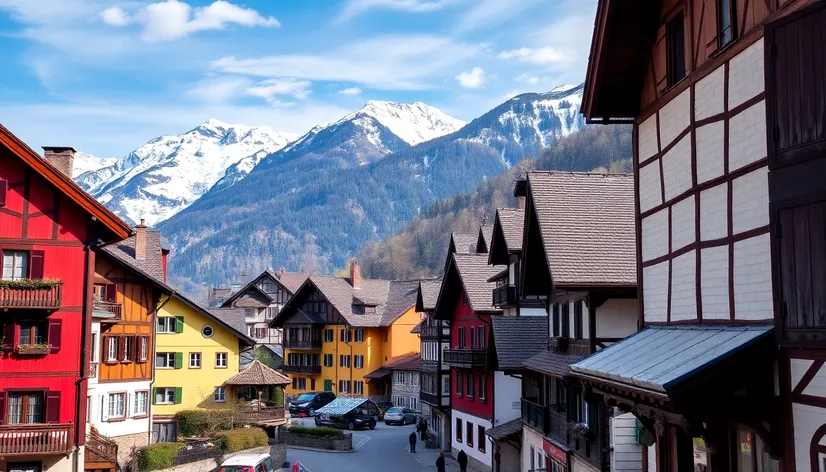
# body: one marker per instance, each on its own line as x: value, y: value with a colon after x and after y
x: 80, y: 420
x: 149, y: 401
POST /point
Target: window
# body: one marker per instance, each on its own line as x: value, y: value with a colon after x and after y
x: 461, y: 337
x: 33, y: 332
x: 271, y: 312
x: 300, y: 383
x: 328, y: 360
x: 446, y: 385
x: 480, y: 435
x: 220, y: 395
x: 458, y: 430
x: 221, y: 360
x: 725, y: 13
x: 346, y: 335
x: 459, y: 384
x: 343, y: 386
x: 207, y: 331
x: 358, y: 387
x: 165, y: 395
x: 194, y: 360
x: 94, y: 353
x: 359, y: 335
x: 26, y: 407
x: 470, y: 382
x: 126, y: 351
x: 116, y: 405
x: 565, y: 330
x: 344, y: 361
x: 163, y: 360
x: 472, y: 337
x: 164, y: 432
x: 581, y: 409
x: 166, y: 324
x: 414, y: 403
x: 359, y: 361
x: 483, y: 387
x: 480, y: 337
x: 15, y: 265
x: 675, y: 49
x: 141, y: 403
x: 469, y: 428
x: 328, y: 335
x: 112, y: 349
x: 250, y: 313
x: 555, y: 321
x: 143, y: 352
x: 578, y: 320
x: 260, y: 333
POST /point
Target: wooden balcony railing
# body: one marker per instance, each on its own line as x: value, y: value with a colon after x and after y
x: 100, y: 448
x: 48, y: 298
x: 465, y: 358
x: 435, y: 332
x: 431, y: 399
x: 302, y: 343
x: 301, y: 369
x: 20, y: 439
x: 504, y: 296
x: 111, y: 307
x: 267, y: 414
x: 535, y: 416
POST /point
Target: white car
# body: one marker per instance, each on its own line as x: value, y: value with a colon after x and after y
x: 248, y: 463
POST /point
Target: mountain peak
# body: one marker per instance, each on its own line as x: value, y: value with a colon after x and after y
x: 412, y: 122
x: 563, y: 88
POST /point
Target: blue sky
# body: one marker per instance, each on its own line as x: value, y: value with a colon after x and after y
x: 105, y: 76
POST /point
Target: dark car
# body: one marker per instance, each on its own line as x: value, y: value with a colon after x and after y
x: 365, y: 415
x: 308, y: 403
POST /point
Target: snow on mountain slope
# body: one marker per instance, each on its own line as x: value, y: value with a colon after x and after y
x: 86, y: 162
x: 414, y: 123
x: 165, y: 175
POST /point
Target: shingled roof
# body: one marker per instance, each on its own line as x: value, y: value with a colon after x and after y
x: 464, y: 243
x: 474, y: 272
x: 400, y: 298
x: 428, y: 295
x: 551, y: 363
x: 511, y: 222
x: 258, y: 374
x: 411, y: 361
x: 587, y: 225
x: 517, y: 338
x: 484, y: 238
x: 289, y: 280
x: 151, y: 264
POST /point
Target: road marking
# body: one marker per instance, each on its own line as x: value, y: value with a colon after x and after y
x: 366, y: 438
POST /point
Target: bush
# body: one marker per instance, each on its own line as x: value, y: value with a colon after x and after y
x: 320, y: 431
x: 158, y: 456
x: 199, y: 422
x: 240, y: 439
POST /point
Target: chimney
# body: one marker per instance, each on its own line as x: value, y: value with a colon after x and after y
x: 355, y: 274
x: 282, y: 270
x: 140, y: 240
x: 520, y: 202
x: 62, y: 158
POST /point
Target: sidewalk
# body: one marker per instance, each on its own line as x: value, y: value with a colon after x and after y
x: 427, y: 458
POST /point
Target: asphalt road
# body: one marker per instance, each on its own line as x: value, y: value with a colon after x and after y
x: 384, y: 449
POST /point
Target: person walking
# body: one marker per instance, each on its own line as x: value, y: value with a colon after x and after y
x: 440, y: 463
x: 462, y: 460
x: 412, y: 440
x: 422, y: 429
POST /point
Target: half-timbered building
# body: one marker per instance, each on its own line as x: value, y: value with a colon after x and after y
x: 726, y: 98
x: 48, y: 227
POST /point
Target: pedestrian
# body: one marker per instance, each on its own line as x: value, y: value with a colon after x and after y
x: 422, y: 428
x: 462, y: 460
x: 412, y: 440
x: 440, y: 463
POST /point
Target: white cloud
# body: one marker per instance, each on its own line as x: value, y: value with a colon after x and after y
x: 385, y: 62
x: 350, y: 91
x: 173, y: 19
x: 115, y: 16
x: 528, y: 79
x: 357, y: 7
x: 538, y: 56
x: 492, y: 12
x: 473, y: 79
x: 219, y: 89
x: 270, y: 89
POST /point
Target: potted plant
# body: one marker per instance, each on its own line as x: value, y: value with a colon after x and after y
x: 579, y: 430
x: 34, y: 349
x: 559, y: 343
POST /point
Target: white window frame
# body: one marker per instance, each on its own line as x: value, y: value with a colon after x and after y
x: 347, y: 335
x: 167, y: 393
x: 165, y: 325
x: 116, y: 405
x: 358, y: 387
x: 221, y: 360
x: 137, y: 411
x: 359, y: 335
x: 127, y: 340
x: 195, y: 356
x: 169, y: 360
x: 95, y: 348
x: 112, y: 349
x: 15, y: 265
x: 144, y: 348
x: 358, y: 362
x: 220, y: 395
x: 344, y: 360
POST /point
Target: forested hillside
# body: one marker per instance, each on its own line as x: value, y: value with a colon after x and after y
x: 419, y: 248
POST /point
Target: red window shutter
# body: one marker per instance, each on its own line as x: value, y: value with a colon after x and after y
x: 55, y: 333
x: 120, y: 347
x: 8, y: 336
x: 710, y: 26
x: 2, y: 408
x: 104, y: 351
x: 53, y: 407
x: 36, y: 264
x: 4, y: 190
x: 111, y: 293
x: 133, y: 347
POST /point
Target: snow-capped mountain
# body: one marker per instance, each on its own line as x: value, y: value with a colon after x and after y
x: 163, y: 176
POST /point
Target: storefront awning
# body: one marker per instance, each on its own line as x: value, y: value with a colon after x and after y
x: 660, y: 358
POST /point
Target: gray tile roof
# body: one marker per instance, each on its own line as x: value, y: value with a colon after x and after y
x: 233, y: 317
x: 290, y: 280
x: 587, y: 226
x: 124, y: 251
x: 660, y: 358
x: 341, y: 295
x: 276, y: 349
x: 551, y: 363
x: 474, y: 272
x: 429, y: 294
x: 486, y: 233
x: 506, y: 430
x: 517, y: 338
x: 401, y: 297
x: 511, y: 220
x: 409, y: 362
x: 465, y: 243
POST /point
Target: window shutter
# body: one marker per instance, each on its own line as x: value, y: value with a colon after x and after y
x: 104, y: 352
x: 178, y: 395
x: 36, y: 264
x: 55, y: 332
x: 179, y: 324
x: 4, y: 190
x: 155, y: 396
x: 2, y: 408
x: 710, y: 26
x: 593, y: 414
x: 179, y: 360
x: 53, y: 407
x: 8, y: 336
x: 120, y: 342
x: 133, y: 347
x: 111, y: 293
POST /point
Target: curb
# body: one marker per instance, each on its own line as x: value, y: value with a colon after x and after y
x: 303, y: 448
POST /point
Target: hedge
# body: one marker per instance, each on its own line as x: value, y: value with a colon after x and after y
x: 320, y: 431
x: 158, y: 456
x: 30, y: 284
x: 199, y: 422
x: 240, y: 439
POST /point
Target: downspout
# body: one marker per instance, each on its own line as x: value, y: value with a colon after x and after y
x: 87, y: 307
x: 149, y: 401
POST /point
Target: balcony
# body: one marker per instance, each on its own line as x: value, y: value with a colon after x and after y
x: 430, y: 366
x: 100, y: 448
x: 25, y: 439
x: 435, y: 332
x: 504, y: 296
x: 302, y: 344
x: 301, y: 369
x: 264, y: 415
x: 535, y: 416
x: 110, y: 307
x: 465, y: 358
x: 32, y: 294
x: 432, y: 399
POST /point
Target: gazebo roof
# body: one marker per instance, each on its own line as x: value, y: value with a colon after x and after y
x: 258, y: 374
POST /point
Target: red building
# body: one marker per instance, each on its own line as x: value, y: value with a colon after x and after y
x: 47, y: 228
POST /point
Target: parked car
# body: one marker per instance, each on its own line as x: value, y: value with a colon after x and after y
x: 365, y: 415
x: 399, y: 415
x: 247, y: 463
x: 308, y: 403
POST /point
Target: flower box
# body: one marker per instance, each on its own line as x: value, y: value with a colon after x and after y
x: 579, y: 430
x: 34, y: 349
x: 558, y: 344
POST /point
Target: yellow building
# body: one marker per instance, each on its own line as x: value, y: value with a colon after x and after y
x: 195, y: 353
x: 338, y: 331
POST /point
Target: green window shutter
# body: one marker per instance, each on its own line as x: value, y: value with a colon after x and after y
x: 179, y: 324
x: 154, y: 395
x: 328, y: 385
x: 179, y: 360
x: 178, y: 395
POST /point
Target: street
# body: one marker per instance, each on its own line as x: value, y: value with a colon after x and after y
x: 383, y: 449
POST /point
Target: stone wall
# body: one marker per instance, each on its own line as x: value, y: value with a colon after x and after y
x: 127, y: 443
x: 404, y: 392
x: 306, y: 440
x: 277, y: 451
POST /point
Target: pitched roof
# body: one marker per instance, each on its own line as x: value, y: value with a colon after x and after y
x: 341, y: 295
x: 474, y: 273
x: 64, y: 184
x: 234, y: 317
x: 240, y: 334
x: 411, y: 361
x: 587, y: 226
x: 290, y: 280
x: 418, y: 328
x: 258, y: 374
x: 428, y: 294
x: 378, y: 373
x: 517, y: 338
x: 485, y: 237
x: 511, y: 221
x: 464, y: 243
x: 124, y: 251
x: 277, y: 349
x: 506, y: 430
x: 551, y: 363
x: 400, y: 298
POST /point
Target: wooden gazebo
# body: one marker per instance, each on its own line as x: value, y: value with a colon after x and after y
x: 255, y: 386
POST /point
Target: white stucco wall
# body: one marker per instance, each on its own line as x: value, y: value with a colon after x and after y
x: 617, y: 318
x: 128, y: 426
x: 507, y: 398
x: 483, y: 457
x: 532, y: 312
x: 530, y: 438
